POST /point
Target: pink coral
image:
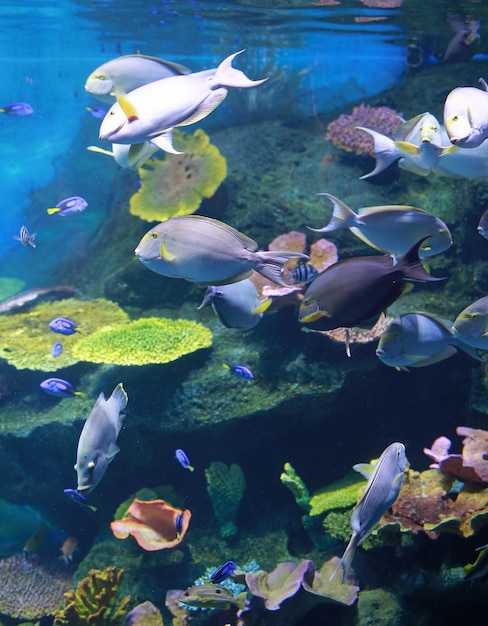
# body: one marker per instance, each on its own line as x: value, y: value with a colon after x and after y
x: 343, y: 133
x: 472, y: 464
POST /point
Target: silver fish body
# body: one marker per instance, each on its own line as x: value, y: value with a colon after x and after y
x: 384, y: 484
x: 204, y: 250
x: 237, y: 305
x: 97, y: 443
x: 466, y: 116
x: 471, y: 325
x: 126, y: 73
x: 392, y: 228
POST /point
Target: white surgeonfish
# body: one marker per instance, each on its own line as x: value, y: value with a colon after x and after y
x: 237, y: 305
x: 126, y: 73
x: 204, y: 250
x: 385, y: 479
x: 150, y: 112
x: 97, y: 444
x: 392, y: 228
x: 466, y: 115
x: 471, y: 325
x: 129, y: 156
x: 419, y: 339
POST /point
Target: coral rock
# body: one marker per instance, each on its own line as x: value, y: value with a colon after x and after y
x: 472, y: 464
x: 145, y: 614
x: 330, y: 587
x: 226, y: 485
x: 282, y: 583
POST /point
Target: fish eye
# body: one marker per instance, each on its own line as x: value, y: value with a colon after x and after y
x: 152, y: 235
x: 455, y: 118
x: 218, y: 590
x: 186, y: 594
x: 101, y: 77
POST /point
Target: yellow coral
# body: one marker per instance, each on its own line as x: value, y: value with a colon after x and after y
x: 143, y: 341
x: 177, y: 184
x: 27, y: 339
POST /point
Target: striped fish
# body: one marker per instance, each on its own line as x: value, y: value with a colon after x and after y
x: 25, y: 238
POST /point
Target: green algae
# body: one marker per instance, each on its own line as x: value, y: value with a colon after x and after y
x: 342, y: 494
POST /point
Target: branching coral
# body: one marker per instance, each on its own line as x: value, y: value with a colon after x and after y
x: 27, y: 339
x: 143, y: 341
x: 177, y: 185
x: 31, y: 586
x: 295, y: 484
x: 94, y: 602
x: 226, y: 485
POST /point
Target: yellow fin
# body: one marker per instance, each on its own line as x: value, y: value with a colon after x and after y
x: 407, y: 147
x: 127, y: 107
x: 449, y: 150
x: 263, y: 306
x: 100, y: 150
x: 313, y: 317
x: 53, y: 210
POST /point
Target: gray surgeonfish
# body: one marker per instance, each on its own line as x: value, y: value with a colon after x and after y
x: 471, y: 325
x: 418, y: 340
x: 237, y: 305
x: 385, y: 480
x: 204, y: 250
x: 126, y: 73
x: 466, y: 115
x: 354, y: 292
x: 150, y: 112
x: 393, y: 229
x: 97, y: 444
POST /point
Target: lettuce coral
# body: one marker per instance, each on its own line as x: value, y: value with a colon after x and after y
x: 342, y: 494
x: 144, y: 341
x: 27, y: 339
x: 177, y: 184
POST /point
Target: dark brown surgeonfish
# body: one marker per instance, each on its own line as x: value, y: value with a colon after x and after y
x: 354, y: 292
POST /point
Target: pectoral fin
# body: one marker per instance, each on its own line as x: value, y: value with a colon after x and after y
x: 364, y: 469
x: 408, y: 148
x: 165, y: 142
x: 263, y: 306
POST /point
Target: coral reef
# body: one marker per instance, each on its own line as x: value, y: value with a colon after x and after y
x: 295, y: 484
x: 32, y: 586
x: 329, y: 587
x: 377, y: 607
x: 27, y: 339
x: 343, y: 133
x: 94, y: 601
x: 154, y: 524
x: 143, y: 341
x: 225, y: 484
x: 282, y: 583
x: 472, y: 464
x: 144, y: 614
x: 342, y: 494
x: 342, y: 335
x: 176, y: 185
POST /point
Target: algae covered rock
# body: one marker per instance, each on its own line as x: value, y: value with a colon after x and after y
x: 143, y: 341
x: 225, y: 484
x: 176, y: 185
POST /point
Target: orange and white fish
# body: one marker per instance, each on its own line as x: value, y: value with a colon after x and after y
x: 69, y: 547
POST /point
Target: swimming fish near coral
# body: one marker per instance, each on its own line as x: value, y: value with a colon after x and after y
x: 471, y: 325
x: 150, y: 112
x: 355, y: 291
x: 126, y: 73
x: 393, y: 229
x: 483, y: 225
x: 33, y: 296
x: 69, y: 206
x: 129, y: 156
x: 57, y: 349
x: 26, y: 238
x: 64, y: 326
x: 384, y: 484
x: 17, y: 109
x: 60, y: 388
x: 204, y: 250
x: 478, y: 569
x: 210, y: 596
x: 35, y: 540
x: 75, y: 496
x: 68, y: 548
x: 237, y: 305
x: 302, y: 274
x: 240, y: 371
x: 223, y: 572
x: 97, y: 112
x: 466, y: 115
x: 418, y: 340
x: 97, y: 444
x: 183, y: 460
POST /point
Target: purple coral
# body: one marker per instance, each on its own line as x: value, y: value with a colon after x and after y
x: 343, y: 133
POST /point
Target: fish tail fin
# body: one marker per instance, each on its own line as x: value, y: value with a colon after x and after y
x: 270, y: 263
x: 412, y: 267
x: 52, y: 210
x: 81, y: 394
x: 346, y: 559
x: 240, y: 601
x: 228, y: 76
x: 120, y: 396
x: 386, y: 151
x: 225, y: 366
x: 191, y: 468
x: 342, y: 216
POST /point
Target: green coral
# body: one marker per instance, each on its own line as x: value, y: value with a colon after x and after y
x: 177, y: 184
x: 94, y: 601
x: 9, y: 287
x: 342, y: 494
x: 226, y: 485
x: 143, y: 341
x: 295, y: 484
x: 27, y: 339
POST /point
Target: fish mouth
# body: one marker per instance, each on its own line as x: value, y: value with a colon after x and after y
x: 145, y: 259
x: 312, y: 317
x: 106, y: 136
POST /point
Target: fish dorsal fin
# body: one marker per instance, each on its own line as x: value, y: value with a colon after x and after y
x: 263, y: 306
x: 405, y: 130
x: 246, y: 241
x: 365, y: 469
x: 165, y: 142
x: 127, y: 107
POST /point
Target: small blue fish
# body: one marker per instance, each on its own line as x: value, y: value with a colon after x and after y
x: 60, y: 388
x: 75, y: 496
x: 183, y: 460
x: 97, y: 112
x: 69, y: 206
x: 17, y: 109
x: 239, y: 370
x: 223, y: 572
x: 26, y: 238
x: 57, y: 349
x: 303, y: 274
x: 178, y: 524
x: 63, y: 326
